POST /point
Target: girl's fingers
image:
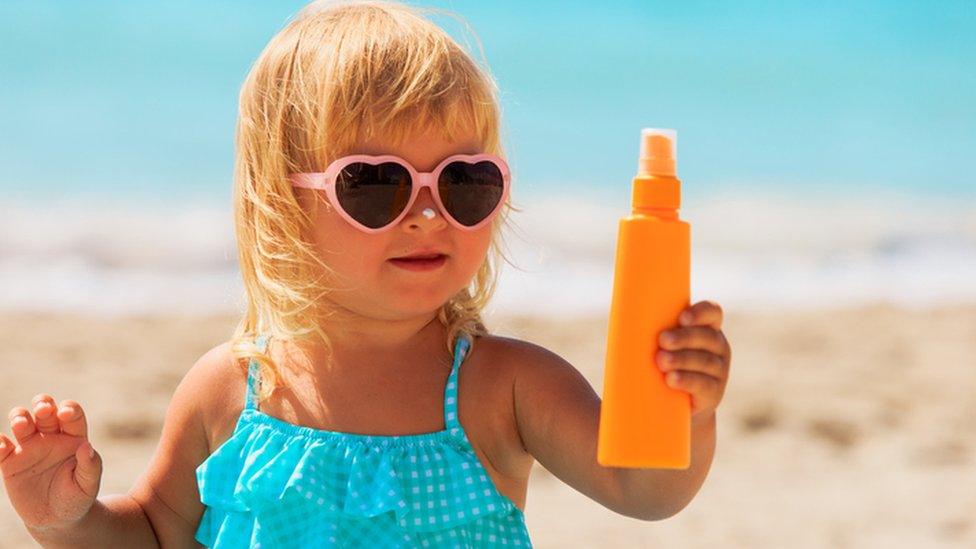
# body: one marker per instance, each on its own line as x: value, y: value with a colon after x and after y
x: 7, y: 447
x: 73, y: 419
x: 694, y: 337
x: 88, y: 473
x: 691, y: 361
x: 698, y: 384
x: 46, y: 414
x: 703, y: 313
x: 21, y: 424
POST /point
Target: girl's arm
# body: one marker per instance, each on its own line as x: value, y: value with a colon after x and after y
x: 163, y: 508
x: 167, y: 490
x: 112, y: 520
x: 679, y: 485
x: 558, y: 417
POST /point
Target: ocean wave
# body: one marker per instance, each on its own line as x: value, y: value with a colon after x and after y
x: 748, y: 252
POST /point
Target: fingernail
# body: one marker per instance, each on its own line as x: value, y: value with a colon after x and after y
x: 685, y: 318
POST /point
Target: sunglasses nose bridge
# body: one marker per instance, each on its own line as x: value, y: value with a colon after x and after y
x: 426, y: 180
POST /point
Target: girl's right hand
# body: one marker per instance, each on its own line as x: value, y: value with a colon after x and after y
x: 52, y: 474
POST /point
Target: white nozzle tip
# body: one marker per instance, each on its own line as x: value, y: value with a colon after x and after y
x: 667, y: 132
x: 651, y: 146
x: 658, y: 151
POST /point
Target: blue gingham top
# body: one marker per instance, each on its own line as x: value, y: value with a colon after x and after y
x: 276, y: 484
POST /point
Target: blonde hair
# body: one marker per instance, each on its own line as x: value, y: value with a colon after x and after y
x: 337, y: 72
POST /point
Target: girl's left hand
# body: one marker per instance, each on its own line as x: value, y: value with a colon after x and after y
x: 696, y: 357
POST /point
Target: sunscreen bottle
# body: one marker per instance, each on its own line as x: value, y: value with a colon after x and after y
x: 644, y: 422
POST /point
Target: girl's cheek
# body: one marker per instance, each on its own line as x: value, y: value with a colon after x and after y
x: 334, y: 235
x: 471, y: 252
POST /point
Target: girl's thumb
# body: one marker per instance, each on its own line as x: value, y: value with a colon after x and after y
x: 88, y: 472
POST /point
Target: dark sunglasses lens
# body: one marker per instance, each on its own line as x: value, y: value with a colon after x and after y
x: 373, y: 194
x: 470, y: 192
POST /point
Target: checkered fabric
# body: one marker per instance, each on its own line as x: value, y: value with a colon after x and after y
x: 274, y: 484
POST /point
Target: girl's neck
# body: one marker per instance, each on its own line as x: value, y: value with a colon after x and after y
x: 375, y: 343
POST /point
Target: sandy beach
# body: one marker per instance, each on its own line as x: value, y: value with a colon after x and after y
x: 839, y: 429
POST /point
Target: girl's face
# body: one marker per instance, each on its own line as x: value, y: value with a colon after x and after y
x: 367, y: 283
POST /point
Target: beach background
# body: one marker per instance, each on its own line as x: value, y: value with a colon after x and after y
x: 826, y: 155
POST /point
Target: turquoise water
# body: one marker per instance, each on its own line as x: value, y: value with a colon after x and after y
x: 117, y: 117
x: 138, y: 98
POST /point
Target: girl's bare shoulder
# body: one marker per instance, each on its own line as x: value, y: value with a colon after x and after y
x: 219, y: 383
x: 509, y: 372
x: 487, y: 382
x: 509, y: 356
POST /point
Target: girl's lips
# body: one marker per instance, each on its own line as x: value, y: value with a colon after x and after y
x: 420, y: 264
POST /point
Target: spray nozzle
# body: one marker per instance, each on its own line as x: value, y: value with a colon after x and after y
x: 657, y: 152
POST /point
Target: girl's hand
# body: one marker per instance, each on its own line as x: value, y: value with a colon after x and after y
x: 52, y: 474
x: 696, y: 358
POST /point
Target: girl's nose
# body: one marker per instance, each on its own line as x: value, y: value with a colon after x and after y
x: 416, y: 219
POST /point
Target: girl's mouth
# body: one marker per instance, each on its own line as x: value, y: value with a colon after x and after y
x: 420, y: 264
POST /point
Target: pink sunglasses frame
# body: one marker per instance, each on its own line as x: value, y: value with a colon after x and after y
x: 326, y: 181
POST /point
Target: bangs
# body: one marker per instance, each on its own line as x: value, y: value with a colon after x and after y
x: 451, y: 120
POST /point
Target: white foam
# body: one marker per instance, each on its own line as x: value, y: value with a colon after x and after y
x: 749, y: 251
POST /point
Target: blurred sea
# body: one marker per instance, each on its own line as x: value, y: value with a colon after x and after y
x: 749, y: 251
x: 826, y: 151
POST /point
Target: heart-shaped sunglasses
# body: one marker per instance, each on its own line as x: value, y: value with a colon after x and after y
x: 373, y: 193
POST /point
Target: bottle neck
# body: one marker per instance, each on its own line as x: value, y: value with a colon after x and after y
x: 655, y: 193
x: 663, y: 213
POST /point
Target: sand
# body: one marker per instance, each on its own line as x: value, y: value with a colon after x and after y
x: 854, y: 428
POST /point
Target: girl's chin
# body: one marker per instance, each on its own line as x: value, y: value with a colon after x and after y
x: 405, y: 306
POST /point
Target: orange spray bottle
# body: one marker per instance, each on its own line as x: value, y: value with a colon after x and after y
x: 643, y: 421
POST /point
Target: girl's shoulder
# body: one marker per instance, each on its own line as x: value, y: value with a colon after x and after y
x: 557, y: 414
x: 498, y: 361
x: 513, y: 356
x: 532, y: 374
x: 488, y: 381
x: 220, y: 383
x: 168, y: 490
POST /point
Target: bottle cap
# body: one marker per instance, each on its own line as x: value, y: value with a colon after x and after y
x: 656, y: 185
x: 658, y: 152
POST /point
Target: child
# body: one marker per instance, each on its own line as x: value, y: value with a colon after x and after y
x: 338, y: 413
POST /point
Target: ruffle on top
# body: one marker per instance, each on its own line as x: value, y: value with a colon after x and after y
x: 277, y: 484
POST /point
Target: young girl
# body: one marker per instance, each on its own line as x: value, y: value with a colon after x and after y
x: 369, y: 190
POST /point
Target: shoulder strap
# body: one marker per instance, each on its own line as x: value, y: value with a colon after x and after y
x: 450, y: 392
x: 254, y: 377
